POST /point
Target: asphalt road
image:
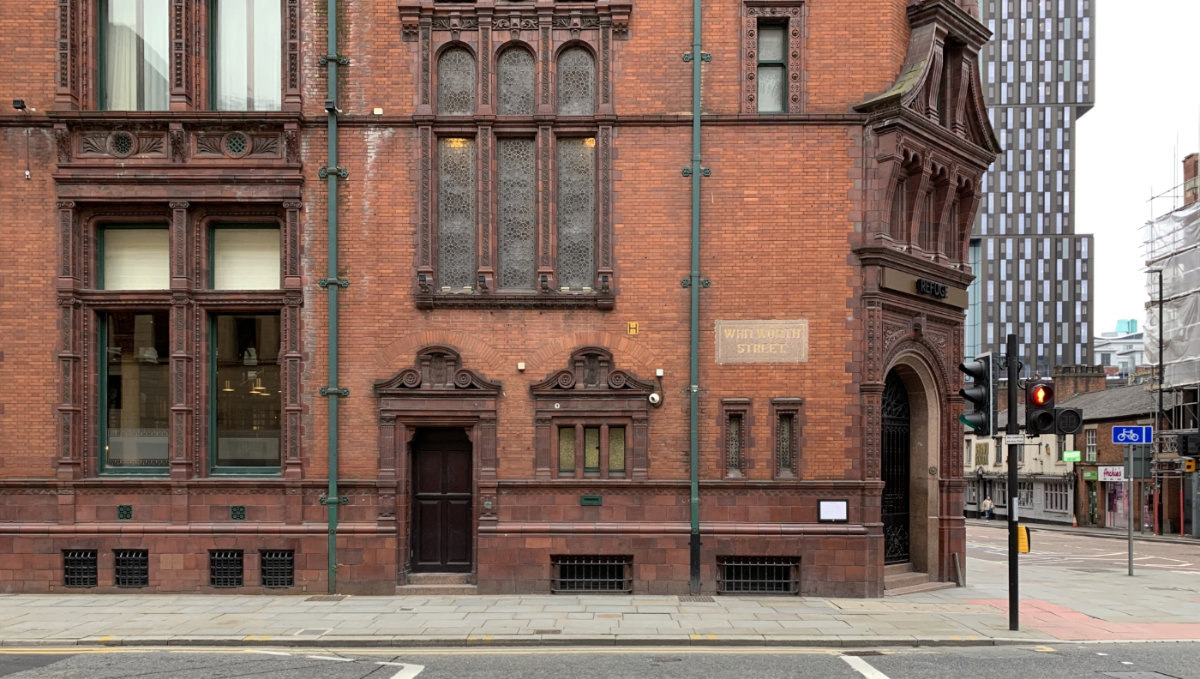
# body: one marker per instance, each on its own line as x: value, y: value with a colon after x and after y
x: 1054, y: 548
x: 1120, y: 661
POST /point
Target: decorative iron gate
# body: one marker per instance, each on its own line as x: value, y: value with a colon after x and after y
x: 895, y: 470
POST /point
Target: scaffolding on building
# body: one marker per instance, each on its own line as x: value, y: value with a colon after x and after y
x: 1172, y: 257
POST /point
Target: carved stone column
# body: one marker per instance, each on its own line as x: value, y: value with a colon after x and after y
x: 181, y: 56
x: 66, y: 93
x: 293, y: 467
x: 71, y: 398
x: 291, y: 46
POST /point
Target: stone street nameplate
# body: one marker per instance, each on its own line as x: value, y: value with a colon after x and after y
x: 762, y: 341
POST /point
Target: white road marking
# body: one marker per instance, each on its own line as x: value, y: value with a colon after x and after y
x: 268, y: 652
x: 862, y: 667
x: 409, y: 672
x: 329, y: 657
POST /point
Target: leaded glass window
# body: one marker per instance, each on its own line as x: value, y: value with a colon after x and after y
x: 616, y: 450
x: 733, y: 444
x: 576, y: 83
x: 456, y: 83
x: 785, y: 443
x: 456, y: 213
x: 576, y: 212
x: 514, y: 73
x: 515, y: 214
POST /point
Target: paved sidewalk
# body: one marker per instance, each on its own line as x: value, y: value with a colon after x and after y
x: 1058, y: 604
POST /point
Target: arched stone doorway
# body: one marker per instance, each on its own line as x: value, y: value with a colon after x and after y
x: 909, y: 451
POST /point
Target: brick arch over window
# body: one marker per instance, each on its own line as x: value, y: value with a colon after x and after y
x: 592, y: 389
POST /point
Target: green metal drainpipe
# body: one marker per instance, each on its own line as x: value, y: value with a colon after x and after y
x: 332, y: 283
x: 693, y: 284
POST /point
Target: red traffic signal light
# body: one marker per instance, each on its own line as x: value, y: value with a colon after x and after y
x: 1039, y: 407
x: 1040, y: 394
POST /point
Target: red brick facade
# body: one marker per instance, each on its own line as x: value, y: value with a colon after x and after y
x: 850, y: 213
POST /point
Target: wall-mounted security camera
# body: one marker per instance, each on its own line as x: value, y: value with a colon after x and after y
x: 19, y: 104
x: 655, y: 399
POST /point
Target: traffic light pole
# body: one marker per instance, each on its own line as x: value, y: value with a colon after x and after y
x: 1010, y: 358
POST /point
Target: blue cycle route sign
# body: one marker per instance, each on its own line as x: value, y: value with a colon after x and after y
x: 1133, y: 435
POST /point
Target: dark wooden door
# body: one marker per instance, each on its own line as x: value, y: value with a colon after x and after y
x: 441, y: 532
x: 896, y: 429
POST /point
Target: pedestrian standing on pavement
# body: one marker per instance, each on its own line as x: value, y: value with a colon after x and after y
x: 987, y: 507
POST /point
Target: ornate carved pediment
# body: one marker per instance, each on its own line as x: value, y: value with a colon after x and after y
x: 437, y: 369
x: 590, y: 371
x: 939, y: 81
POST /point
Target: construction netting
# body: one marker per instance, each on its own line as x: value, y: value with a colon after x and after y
x: 1172, y: 247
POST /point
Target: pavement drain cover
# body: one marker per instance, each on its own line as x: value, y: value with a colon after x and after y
x: 547, y: 631
x: 862, y: 653
x: 1138, y: 675
x: 326, y: 597
x: 666, y: 660
x: 697, y: 599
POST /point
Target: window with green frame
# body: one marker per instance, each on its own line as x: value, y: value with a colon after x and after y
x: 246, y: 401
x: 134, y: 388
x: 246, y: 68
x: 136, y: 55
x: 591, y: 450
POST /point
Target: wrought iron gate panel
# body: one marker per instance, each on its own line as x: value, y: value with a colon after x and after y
x: 894, y: 453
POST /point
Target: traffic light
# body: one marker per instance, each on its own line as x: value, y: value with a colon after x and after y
x: 1039, y: 407
x: 981, y: 395
x: 1068, y: 420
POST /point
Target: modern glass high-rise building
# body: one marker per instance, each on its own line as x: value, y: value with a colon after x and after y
x: 1033, y: 271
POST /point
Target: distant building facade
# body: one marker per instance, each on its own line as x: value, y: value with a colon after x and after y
x: 1033, y: 271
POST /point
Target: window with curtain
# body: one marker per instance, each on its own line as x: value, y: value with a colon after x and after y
x: 246, y: 394
x: 135, y: 259
x: 245, y: 258
x: 135, y: 35
x: 772, y: 68
x: 134, y: 378
x: 247, y: 57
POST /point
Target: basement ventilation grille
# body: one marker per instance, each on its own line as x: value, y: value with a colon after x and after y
x: 612, y: 574
x: 132, y: 567
x: 79, y: 567
x: 278, y: 568
x: 758, y: 575
x: 225, y: 568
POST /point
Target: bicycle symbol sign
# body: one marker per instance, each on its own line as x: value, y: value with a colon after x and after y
x: 1133, y: 435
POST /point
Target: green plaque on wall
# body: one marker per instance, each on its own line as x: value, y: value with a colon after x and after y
x: 1071, y: 456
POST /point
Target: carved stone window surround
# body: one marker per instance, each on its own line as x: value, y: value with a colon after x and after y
x: 590, y: 391
x: 792, y: 14
x: 735, y: 425
x: 487, y: 32
x: 190, y: 305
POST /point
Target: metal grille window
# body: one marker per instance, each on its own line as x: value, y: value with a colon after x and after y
x: 591, y: 574
x: 576, y: 188
x: 788, y: 418
x: 132, y: 567
x: 225, y: 568
x: 79, y: 567
x: 278, y: 568
x: 456, y: 213
x: 734, y: 426
x: 758, y: 574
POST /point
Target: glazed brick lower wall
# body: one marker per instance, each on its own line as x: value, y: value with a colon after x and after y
x: 180, y: 563
x: 829, y: 565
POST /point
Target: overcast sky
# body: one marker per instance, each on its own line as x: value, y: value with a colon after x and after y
x: 1131, y: 145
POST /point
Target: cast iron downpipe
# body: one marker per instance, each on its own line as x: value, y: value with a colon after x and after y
x: 332, y: 283
x: 694, y: 289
